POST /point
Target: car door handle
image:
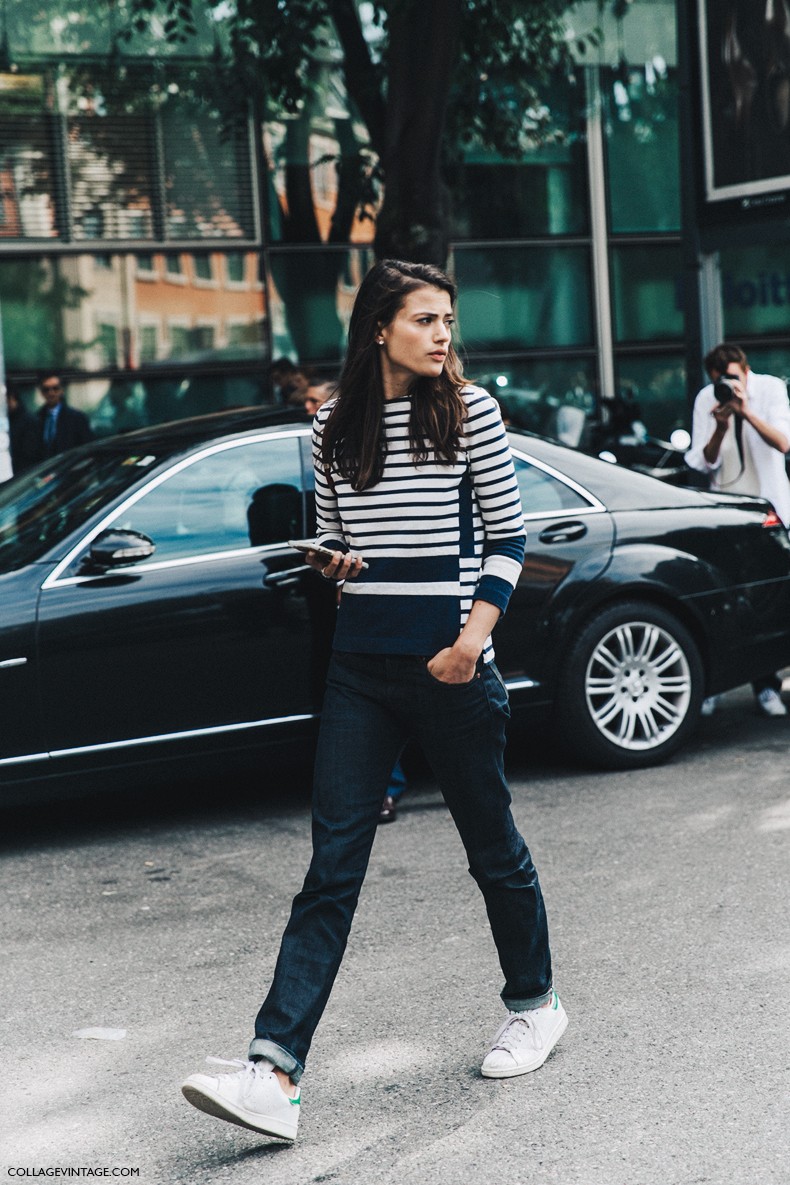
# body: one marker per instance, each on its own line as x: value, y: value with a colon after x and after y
x: 286, y: 579
x: 562, y: 533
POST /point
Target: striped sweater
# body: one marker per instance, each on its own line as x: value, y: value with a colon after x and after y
x: 437, y: 536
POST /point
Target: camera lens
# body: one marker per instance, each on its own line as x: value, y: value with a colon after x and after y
x: 723, y: 390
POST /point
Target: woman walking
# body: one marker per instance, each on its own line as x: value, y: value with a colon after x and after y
x: 413, y: 475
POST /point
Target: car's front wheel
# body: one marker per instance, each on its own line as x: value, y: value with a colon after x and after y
x: 631, y: 687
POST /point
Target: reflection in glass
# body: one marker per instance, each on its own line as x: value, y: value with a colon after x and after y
x: 524, y: 296
x: 88, y: 312
x: 771, y: 360
x: 544, y: 192
x: 641, y: 124
x: 543, y: 494
x: 148, y: 344
x: 201, y: 265
x: 39, y: 297
x: 646, y: 293
x: 498, y: 199
x: 654, y: 388
x: 310, y: 298
x: 109, y: 172
x: 66, y: 27
x: 27, y: 163
x: 755, y: 289
x: 322, y: 173
x: 104, y: 154
x: 136, y: 400
x: 554, y: 397
x: 42, y: 507
x: 208, y: 173
x: 235, y: 267
x: 244, y: 496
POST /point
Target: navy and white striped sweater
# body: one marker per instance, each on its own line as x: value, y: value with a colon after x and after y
x: 437, y: 536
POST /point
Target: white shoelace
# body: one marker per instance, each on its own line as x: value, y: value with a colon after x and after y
x: 249, y: 1068
x: 514, y: 1031
x: 237, y: 1062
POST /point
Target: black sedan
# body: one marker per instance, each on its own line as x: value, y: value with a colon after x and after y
x: 151, y: 610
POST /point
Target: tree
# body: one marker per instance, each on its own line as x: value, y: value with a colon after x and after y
x: 423, y: 75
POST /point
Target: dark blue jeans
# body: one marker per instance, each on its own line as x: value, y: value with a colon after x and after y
x: 373, y: 703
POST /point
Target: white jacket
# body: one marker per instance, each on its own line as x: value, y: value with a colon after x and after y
x: 768, y: 399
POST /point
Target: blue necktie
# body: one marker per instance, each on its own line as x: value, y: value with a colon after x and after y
x: 49, y: 429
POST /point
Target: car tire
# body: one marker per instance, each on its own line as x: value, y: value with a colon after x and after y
x: 631, y: 687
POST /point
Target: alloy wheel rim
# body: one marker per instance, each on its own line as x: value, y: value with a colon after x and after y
x: 638, y: 686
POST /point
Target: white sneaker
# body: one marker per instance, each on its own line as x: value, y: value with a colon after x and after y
x: 252, y: 1097
x: 525, y: 1040
x: 769, y: 702
x: 709, y: 705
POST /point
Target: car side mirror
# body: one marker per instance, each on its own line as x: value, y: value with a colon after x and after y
x: 113, y: 547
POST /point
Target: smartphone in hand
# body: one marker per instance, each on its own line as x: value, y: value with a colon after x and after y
x: 323, y: 553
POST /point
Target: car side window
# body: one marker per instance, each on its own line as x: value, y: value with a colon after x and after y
x: 247, y: 495
x: 542, y: 493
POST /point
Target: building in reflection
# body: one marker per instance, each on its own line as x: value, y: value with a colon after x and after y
x: 160, y: 250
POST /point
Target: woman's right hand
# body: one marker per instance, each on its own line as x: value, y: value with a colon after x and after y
x: 343, y: 565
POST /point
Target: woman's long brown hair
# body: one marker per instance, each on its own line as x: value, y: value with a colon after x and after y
x: 353, y: 441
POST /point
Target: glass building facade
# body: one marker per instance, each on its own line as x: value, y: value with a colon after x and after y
x: 161, y: 251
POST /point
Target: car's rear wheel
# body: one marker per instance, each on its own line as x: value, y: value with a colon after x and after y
x: 631, y: 687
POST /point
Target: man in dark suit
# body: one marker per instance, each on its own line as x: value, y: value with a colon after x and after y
x: 60, y: 427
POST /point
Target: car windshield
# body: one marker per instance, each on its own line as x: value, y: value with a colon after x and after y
x: 42, y: 507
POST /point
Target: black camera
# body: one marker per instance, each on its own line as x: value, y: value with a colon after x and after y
x: 724, y: 390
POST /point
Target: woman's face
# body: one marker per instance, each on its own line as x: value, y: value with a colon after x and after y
x: 416, y: 341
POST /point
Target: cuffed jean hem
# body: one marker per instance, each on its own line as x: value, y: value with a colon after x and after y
x: 524, y: 1004
x: 279, y: 1057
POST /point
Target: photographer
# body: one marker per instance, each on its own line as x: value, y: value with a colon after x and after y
x: 740, y: 433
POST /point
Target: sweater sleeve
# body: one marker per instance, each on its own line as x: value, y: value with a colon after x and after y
x: 496, y: 489
x: 329, y: 528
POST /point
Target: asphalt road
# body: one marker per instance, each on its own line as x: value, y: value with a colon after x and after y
x: 668, y: 904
